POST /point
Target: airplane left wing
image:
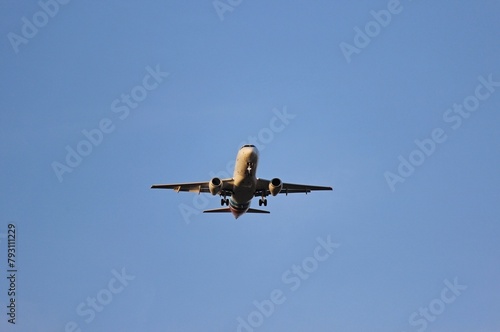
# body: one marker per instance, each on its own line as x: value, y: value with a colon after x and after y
x: 288, y: 188
x: 194, y: 187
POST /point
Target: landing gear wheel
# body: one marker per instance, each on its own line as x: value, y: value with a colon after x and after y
x: 222, y: 201
x: 265, y: 202
x: 227, y: 201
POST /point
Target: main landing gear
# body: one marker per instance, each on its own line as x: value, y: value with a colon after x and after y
x: 224, y: 201
x: 263, y: 201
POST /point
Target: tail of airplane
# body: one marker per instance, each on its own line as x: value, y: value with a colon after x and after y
x: 217, y: 210
x: 250, y: 210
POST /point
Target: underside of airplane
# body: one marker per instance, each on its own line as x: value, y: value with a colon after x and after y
x: 237, y: 192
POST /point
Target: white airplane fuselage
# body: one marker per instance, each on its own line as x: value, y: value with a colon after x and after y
x: 245, y: 180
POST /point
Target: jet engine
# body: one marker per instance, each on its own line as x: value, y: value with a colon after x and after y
x: 215, y: 186
x: 275, y: 186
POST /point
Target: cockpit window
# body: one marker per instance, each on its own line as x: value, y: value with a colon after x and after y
x: 248, y: 146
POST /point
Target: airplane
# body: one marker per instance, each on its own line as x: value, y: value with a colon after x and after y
x: 243, y: 186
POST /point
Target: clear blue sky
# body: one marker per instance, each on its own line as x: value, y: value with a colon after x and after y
x: 168, y: 91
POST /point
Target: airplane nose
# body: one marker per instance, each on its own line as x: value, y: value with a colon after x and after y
x: 250, y: 151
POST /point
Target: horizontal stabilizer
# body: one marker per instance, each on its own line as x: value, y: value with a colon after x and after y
x: 250, y: 210
x: 217, y: 210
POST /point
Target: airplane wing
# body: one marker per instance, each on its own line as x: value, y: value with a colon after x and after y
x: 195, y: 187
x: 288, y: 188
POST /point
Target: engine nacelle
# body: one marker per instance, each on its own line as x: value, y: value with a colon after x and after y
x: 215, y: 186
x: 275, y: 186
